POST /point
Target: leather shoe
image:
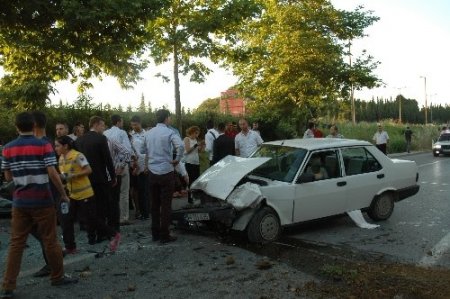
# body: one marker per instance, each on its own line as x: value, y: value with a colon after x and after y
x: 64, y: 280
x: 168, y: 239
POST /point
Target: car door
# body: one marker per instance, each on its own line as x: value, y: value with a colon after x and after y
x: 364, y: 176
x: 317, y: 198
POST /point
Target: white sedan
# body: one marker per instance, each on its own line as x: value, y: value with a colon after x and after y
x: 292, y: 181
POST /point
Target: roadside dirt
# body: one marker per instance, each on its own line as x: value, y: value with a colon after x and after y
x: 345, y: 273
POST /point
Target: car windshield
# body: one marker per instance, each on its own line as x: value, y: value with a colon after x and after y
x: 444, y: 137
x: 284, y: 162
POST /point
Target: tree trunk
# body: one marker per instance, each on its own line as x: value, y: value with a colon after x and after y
x: 177, y: 88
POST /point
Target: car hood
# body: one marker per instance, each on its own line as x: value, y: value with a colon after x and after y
x: 220, y: 179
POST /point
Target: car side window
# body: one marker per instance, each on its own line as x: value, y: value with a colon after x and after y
x: 358, y: 160
x: 322, y: 165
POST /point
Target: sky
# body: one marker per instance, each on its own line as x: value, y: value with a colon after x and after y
x: 411, y: 40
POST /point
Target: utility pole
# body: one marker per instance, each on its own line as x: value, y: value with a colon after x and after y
x: 426, y: 106
x: 400, y: 103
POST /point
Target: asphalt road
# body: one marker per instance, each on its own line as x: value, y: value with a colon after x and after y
x: 417, y: 232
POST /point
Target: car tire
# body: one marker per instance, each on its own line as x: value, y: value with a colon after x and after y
x: 382, y: 206
x: 264, y: 227
x: 436, y: 155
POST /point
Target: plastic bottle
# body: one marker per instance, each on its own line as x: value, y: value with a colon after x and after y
x: 64, y: 207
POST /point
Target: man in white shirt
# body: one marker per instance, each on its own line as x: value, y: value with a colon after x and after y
x: 247, y: 141
x: 137, y: 140
x: 210, y: 136
x: 381, y: 138
x: 120, y: 136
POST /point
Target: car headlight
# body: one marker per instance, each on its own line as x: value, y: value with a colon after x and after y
x: 437, y: 146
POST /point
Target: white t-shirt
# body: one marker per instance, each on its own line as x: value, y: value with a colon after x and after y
x: 210, y: 136
x: 381, y: 137
x: 308, y: 134
x: 192, y: 157
x: 247, y: 143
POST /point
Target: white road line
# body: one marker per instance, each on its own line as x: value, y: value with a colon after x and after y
x: 426, y: 164
x: 436, y: 252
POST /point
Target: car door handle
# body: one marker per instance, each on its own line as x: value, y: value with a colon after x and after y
x: 340, y: 184
x: 380, y: 176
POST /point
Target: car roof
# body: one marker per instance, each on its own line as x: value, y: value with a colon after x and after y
x: 318, y: 143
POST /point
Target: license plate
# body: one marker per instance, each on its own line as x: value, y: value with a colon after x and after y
x: 197, y: 217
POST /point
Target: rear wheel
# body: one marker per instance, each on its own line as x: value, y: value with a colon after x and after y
x: 264, y: 227
x: 382, y: 207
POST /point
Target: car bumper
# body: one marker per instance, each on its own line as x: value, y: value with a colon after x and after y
x: 407, y: 192
x: 224, y: 215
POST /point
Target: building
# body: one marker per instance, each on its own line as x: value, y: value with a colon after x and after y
x: 231, y: 102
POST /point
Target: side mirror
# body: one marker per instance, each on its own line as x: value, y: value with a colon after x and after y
x: 305, y: 178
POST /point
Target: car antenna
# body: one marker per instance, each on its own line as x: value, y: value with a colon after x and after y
x: 282, y: 142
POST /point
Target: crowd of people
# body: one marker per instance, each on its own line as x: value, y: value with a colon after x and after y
x: 94, y: 176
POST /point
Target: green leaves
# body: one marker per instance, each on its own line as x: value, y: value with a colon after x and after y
x: 46, y: 41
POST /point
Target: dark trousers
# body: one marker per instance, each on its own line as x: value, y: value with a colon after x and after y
x: 161, y: 191
x: 102, y: 204
x: 193, y: 171
x: 113, y: 215
x: 144, y: 200
x: 84, y: 210
x: 382, y: 148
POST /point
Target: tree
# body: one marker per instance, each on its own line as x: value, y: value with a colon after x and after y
x: 190, y: 31
x: 44, y: 41
x: 292, y: 58
x: 209, y: 105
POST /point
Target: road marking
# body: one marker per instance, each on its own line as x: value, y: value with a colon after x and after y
x: 436, y: 252
x: 426, y: 164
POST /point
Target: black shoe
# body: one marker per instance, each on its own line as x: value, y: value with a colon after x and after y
x: 6, y: 294
x: 101, y: 239
x: 45, y: 271
x: 168, y: 239
x: 64, y: 281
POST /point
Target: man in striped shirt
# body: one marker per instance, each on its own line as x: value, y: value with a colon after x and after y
x: 30, y: 162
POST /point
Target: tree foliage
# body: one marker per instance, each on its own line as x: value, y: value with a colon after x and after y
x: 44, y: 41
x: 291, y: 61
x: 189, y: 31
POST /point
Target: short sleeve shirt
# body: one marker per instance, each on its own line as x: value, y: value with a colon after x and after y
x: 247, y: 143
x: 28, y: 157
x: 381, y: 137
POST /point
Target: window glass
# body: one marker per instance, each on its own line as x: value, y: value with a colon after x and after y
x: 323, y: 165
x: 283, y: 165
x: 358, y: 160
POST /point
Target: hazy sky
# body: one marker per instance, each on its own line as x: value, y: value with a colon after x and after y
x: 411, y: 40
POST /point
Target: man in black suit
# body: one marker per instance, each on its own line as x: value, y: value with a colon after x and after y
x: 94, y: 146
x: 223, y: 145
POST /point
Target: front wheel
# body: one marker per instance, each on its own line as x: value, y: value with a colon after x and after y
x: 264, y: 227
x: 382, y: 207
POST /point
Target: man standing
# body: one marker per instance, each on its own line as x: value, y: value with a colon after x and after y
x: 334, y: 132
x: 247, y: 141
x: 115, y: 133
x: 95, y: 147
x: 62, y: 129
x: 159, y: 145
x: 30, y: 162
x: 223, y: 145
x: 210, y: 136
x: 381, y: 138
x: 137, y: 140
x: 78, y: 131
x: 408, y: 136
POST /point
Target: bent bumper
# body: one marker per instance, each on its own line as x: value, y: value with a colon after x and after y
x: 407, y: 192
x: 224, y: 215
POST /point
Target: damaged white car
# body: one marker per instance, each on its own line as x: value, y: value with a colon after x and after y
x: 291, y: 181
